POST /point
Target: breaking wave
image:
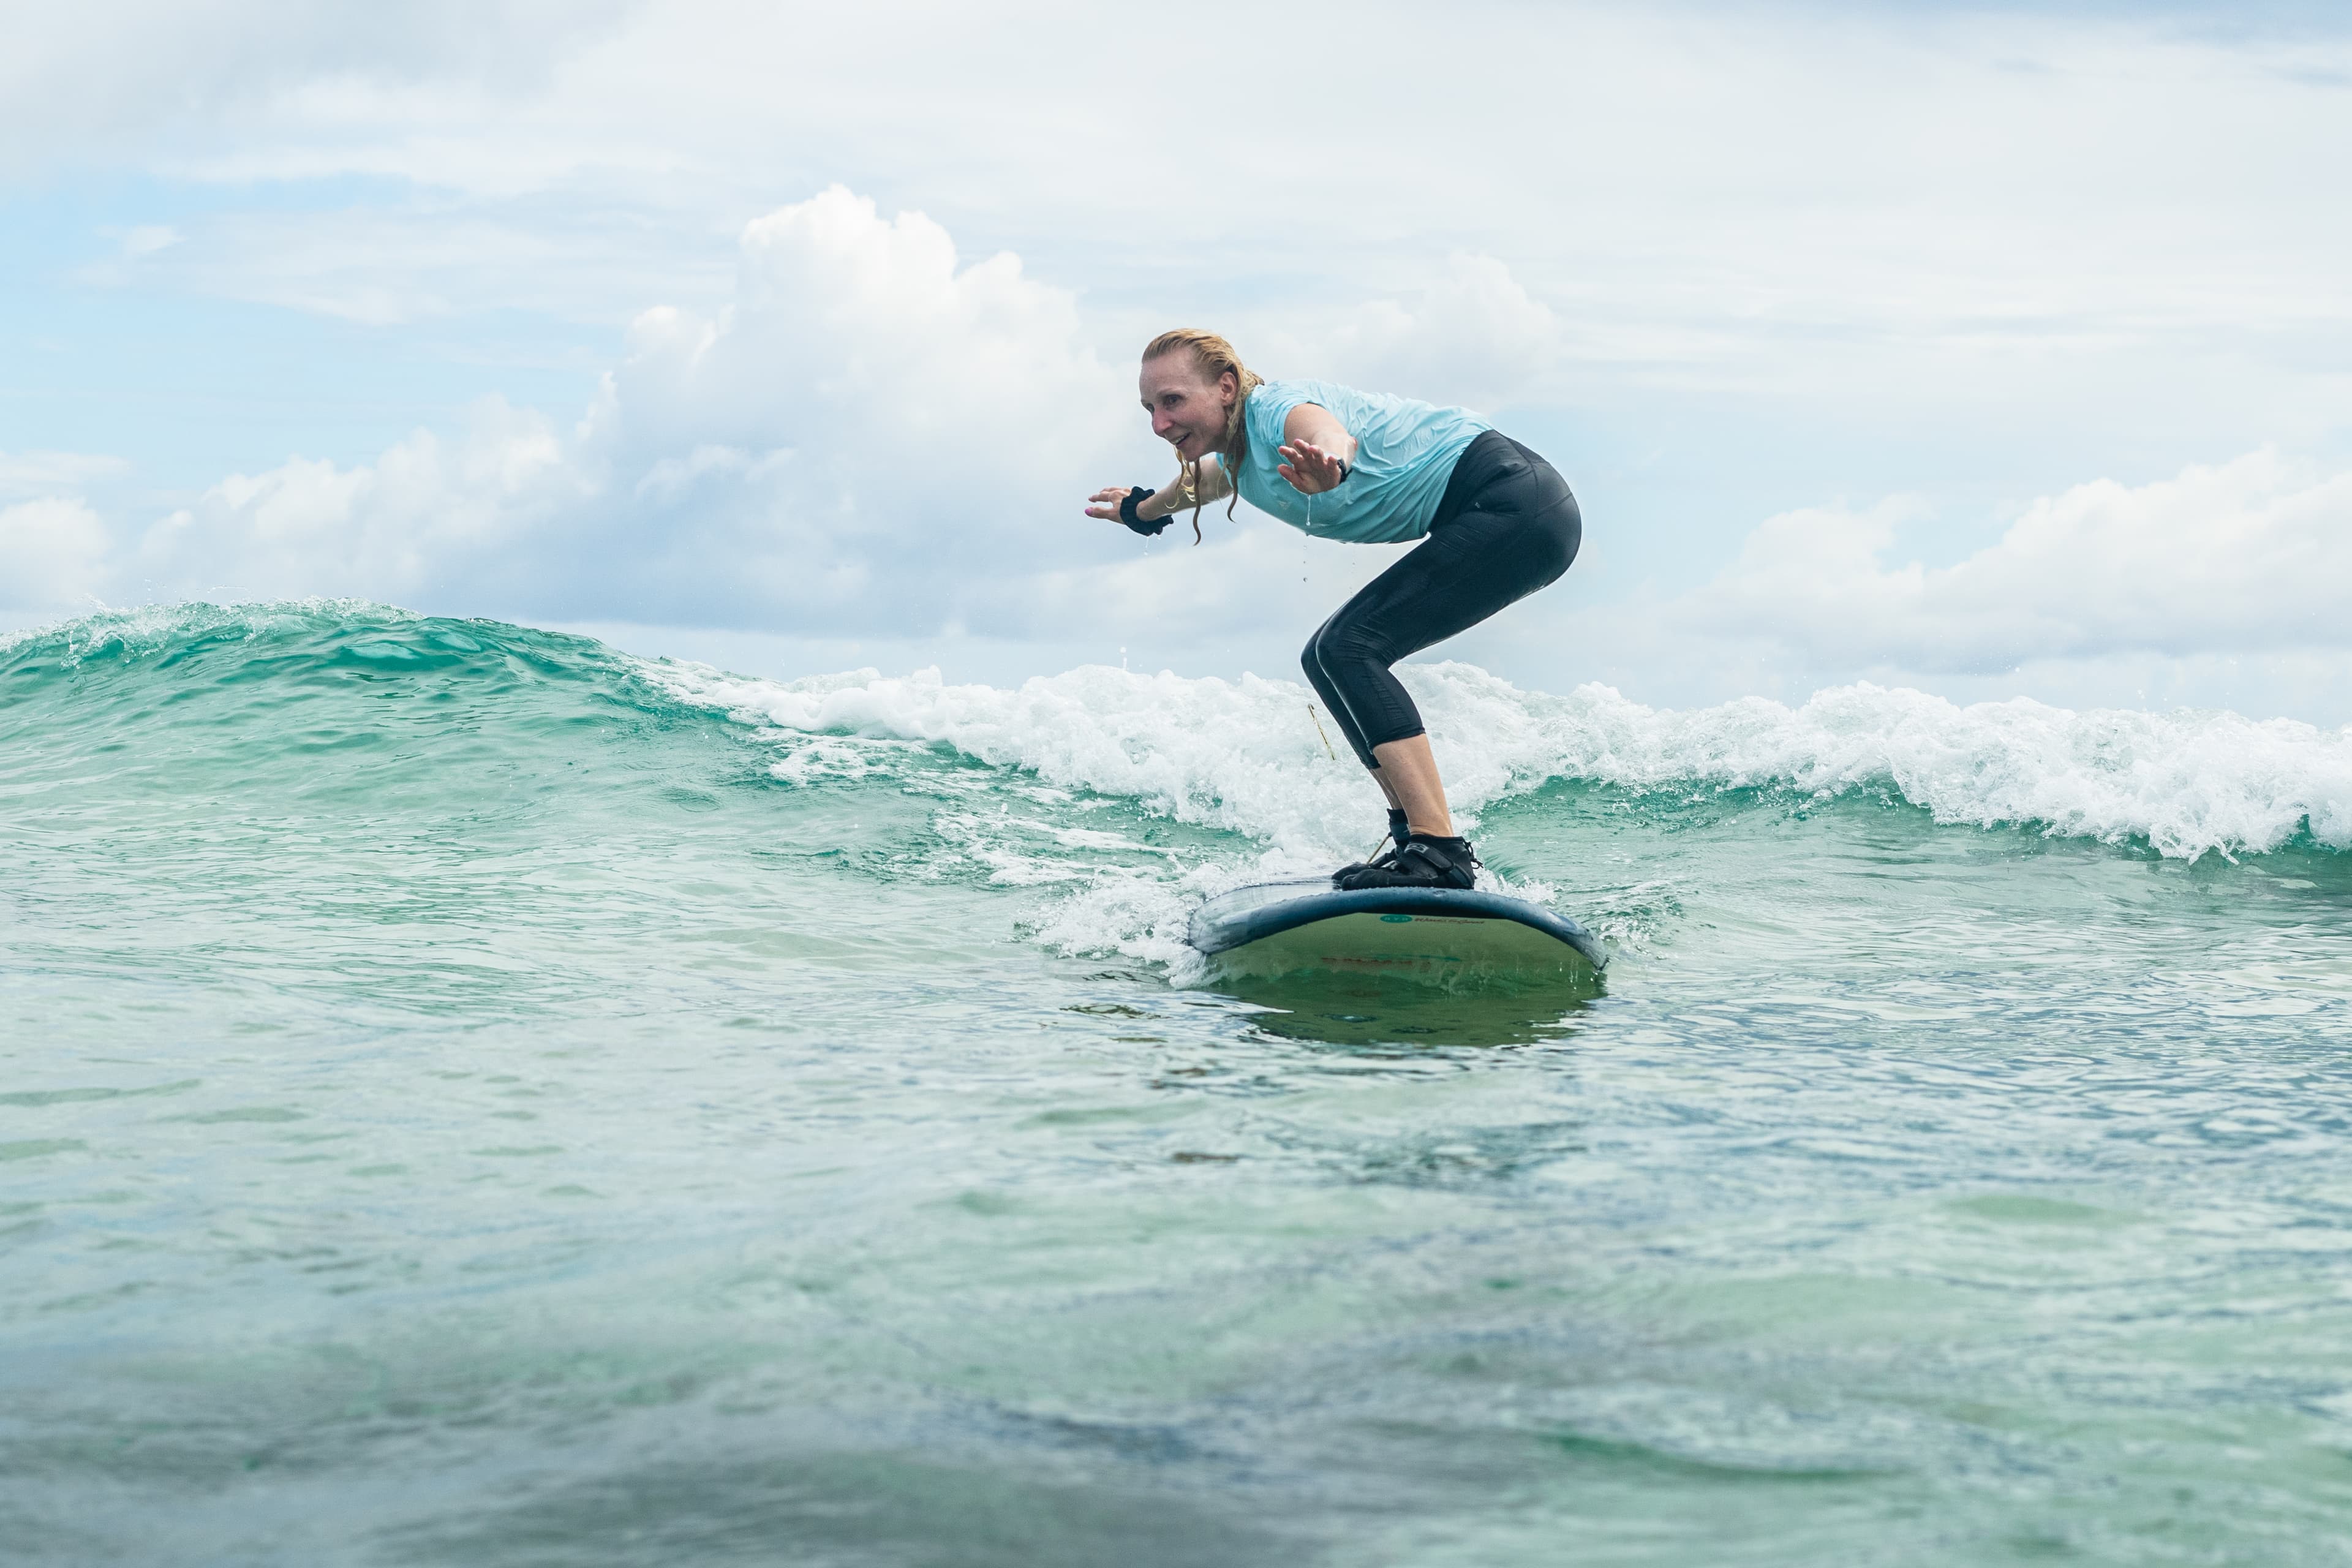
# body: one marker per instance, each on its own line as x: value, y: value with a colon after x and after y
x: 1253, y: 756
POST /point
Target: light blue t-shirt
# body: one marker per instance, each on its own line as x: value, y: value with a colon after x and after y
x: 1405, y: 456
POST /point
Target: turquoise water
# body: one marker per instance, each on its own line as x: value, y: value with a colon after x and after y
x: 468, y: 1096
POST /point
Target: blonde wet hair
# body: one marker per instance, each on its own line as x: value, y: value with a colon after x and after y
x: 1212, y: 356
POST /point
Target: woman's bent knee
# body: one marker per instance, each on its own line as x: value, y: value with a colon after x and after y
x: 1344, y: 641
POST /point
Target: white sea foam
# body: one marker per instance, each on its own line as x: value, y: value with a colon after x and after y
x: 1247, y: 755
x: 2187, y: 782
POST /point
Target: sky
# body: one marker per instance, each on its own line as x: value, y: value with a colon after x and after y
x: 1993, y: 351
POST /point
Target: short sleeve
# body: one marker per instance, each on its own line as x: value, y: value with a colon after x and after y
x: 1269, y: 408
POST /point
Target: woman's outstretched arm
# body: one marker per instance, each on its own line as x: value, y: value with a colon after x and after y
x: 1169, y: 499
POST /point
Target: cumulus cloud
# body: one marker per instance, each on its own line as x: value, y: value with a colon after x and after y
x: 2247, y: 556
x: 1474, y: 337
x: 52, y: 556
x: 869, y: 434
x: 55, y: 549
x: 419, y: 521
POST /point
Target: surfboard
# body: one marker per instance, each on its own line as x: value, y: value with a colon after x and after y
x: 1440, y: 934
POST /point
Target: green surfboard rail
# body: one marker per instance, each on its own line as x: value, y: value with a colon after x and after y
x: 1430, y: 932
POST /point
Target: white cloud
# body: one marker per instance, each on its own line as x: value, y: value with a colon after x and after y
x: 52, y: 556
x: 2249, y: 556
x: 39, y: 473
x: 1474, y: 336
x: 416, y: 523
x: 427, y: 260
x: 105, y: 71
x: 866, y: 436
x: 1709, y: 184
x: 147, y: 239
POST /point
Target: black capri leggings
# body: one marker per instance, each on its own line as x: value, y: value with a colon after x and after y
x: 1506, y: 526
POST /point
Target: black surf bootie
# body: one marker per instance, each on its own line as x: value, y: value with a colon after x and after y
x: 1398, y: 833
x: 1423, y: 860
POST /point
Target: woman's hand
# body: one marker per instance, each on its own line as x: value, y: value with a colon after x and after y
x: 1105, y: 504
x: 1310, y: 469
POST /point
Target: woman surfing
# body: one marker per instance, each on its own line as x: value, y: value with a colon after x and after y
x: 1496, y: 523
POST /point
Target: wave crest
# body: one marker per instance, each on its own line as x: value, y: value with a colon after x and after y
x: 1254, y: 756
x: 1247, y: 755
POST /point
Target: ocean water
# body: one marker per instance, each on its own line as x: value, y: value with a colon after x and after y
x: 468, y: 1096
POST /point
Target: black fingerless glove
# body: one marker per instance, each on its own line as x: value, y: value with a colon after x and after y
x: 1140, y: 493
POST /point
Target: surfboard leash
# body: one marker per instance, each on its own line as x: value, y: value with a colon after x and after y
x: 1319, y: 735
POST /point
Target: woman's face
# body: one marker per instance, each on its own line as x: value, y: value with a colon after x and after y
x: 1188, y: 410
